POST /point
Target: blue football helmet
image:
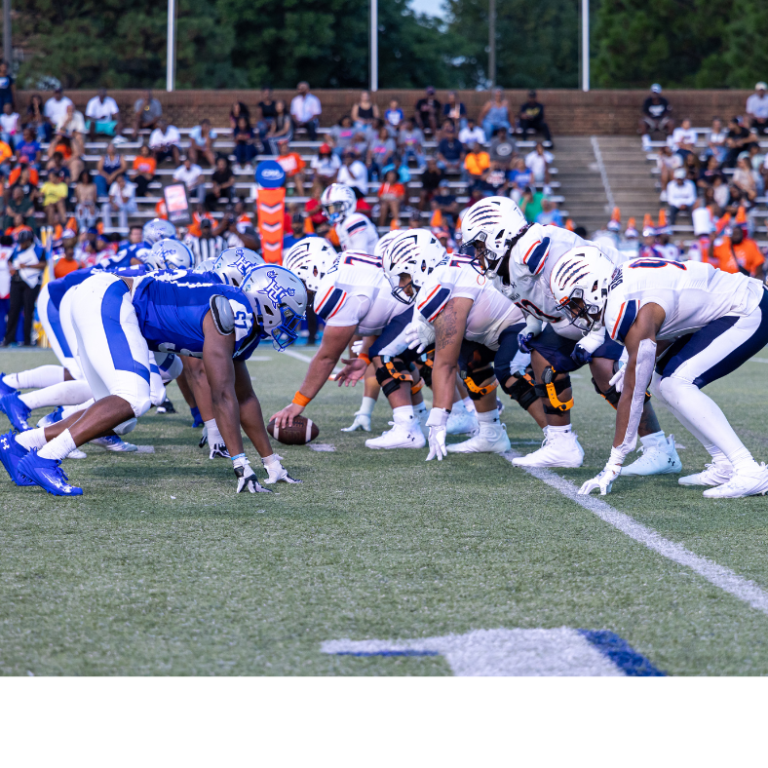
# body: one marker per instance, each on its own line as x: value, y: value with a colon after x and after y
x: 279, y: 300
x: 235, y: 264
x: 158, y: 229
x: 170, y: 254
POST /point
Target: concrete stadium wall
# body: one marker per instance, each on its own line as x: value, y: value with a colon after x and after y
x: 568, y: 112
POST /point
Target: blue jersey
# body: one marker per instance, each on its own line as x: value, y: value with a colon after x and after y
x: 57, y: 288
x: 188, y: 276
x: 171, y: 314
x: 124, y: 256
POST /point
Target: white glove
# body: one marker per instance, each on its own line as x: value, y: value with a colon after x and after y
x: 603, y: 481
x: 438, y: 418
x: 617, y: 380
x: 276, y: 471
x: 362, y: 421
x: 594, y: 339
x: 246, y: 478
x: 419, y: 335
x: 533, y: 325
x: 357, y: 347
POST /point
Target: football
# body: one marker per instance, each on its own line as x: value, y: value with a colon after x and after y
x: 302, y: 432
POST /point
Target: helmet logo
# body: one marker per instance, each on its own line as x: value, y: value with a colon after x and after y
x: 275, y: 292
x: 241, y: 264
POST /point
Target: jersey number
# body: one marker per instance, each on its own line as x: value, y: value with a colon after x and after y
x: 371, y: 262
x: 531, y: 308
x: 655, y: 264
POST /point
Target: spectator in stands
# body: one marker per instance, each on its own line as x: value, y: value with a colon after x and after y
x: 144, y: 167
x: 236, y: 111
x: 201, y: 139
x: 656, y: 117
x: 393, y: 116
x: 26, y: 177
x: 450, y: 153
x: 325, y: 166
x: 735, y: 252
x: 36, y: 119
x: 6, y: 156
x: 502, y: 148
x: 360, y: 144
x: 68, y: 261
x: 306, y: 110
x: 667, y: 162
x: 720, y: 191
x: 28, y: 147
x: 520, y: 178
x: 57, y: 163
x: 411, y: 141
x: 86, y: 212
x: 707, y: 174
x: 757, y: 109
x: 267, y: 111
x: 26, y: 265
x: 103, y: 115
x: 222, y: 185
x: 164, y: 142
x: 744, y: 180
x: 471, y: 133
x: 7, y: 87
x: 20, y: 204
x: 380, y: 153
x: 391, y: 197
x: 54, y: 193
x: 191, y: 176
x: 72, y: 127
x: 354, y: 173
x: 681, y: 194
x: 281, y: 128
x: 692, y: 167
x: 245, y: 142
x: 122, y: 201
x: 342, y: 134
x: 9, y: 124
x: 428, y: 112
x: 209, y: 244
x: 455, y: 111
x: 538, y: 161
x: 716, y: 141
x: 364, y: 112
x: 738, y: 140
x: 293, y: 165
x: 683, y: 139
x: 56, y: 107
x: 531, y: 204
x: 148, y: 113
x: 297, y: 232
x: 430, y: 181
x: 531, y: 118
x: 495, y: 114
x: 549, y: 214
x: 476, y: 163
x: 495, y: 180
x: 111, y: 165
x: 445, y: 202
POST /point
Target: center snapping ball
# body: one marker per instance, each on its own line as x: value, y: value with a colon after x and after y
x: 302, y: 432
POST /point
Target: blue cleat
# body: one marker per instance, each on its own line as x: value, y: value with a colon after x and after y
x: 115, y: 444
x: 197, y: 419
x: 5, y: 389
x: 11, y: 453
x: 48, y: 474
x: 16, y: 411
x: 51, y: 418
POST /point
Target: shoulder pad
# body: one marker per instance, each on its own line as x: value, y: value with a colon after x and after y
x: 223, y: 317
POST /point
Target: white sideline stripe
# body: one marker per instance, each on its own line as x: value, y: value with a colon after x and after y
x: 296, y: 355
x: 719, y: 576
x: 758, y: 360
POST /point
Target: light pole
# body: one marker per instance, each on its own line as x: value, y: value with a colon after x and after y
x: 170, y: 66
x: 374, y: 46
x: 492, y: 42
x: 7, y: 43
x: 585, y: 45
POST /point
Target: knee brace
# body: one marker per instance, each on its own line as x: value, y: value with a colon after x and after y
x: 522, y: 390
x: 170, y: 366
x: 549, y: 391
x: 392, y: 368
x: 473, y: 381
x: 416, y: 388
x: 612, y: 396
x: 125, y: 427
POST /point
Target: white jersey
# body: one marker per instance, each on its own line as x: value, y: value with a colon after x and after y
x: 491, y: 312
x: 354, y: 291
x: 692, y: 295
x: 357, y: 233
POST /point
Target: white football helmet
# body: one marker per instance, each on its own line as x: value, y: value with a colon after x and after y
x: 580, y: 284
x: 233, y: 265
x: 170, y: 254
x: 385, y: 240
x: 338, y: 202
x: 205, y: 266
x: 279, y: 300
x: 158, y: 229
x: 310, y: 259
x: 415, y: 252
x: 491, y: 227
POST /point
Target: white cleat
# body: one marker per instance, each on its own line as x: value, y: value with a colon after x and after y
x: 492, y: 439
x: 715, y: 474
x: 660, y: 459
x: 559, y: 449
x: 751, y: 483
x: 219, y: 451
x: 461, y: 422
x: 362, y: 421
x: 115, y: 444
x: 77, y: 454
x: 400, y: 436
x: 422, y: 414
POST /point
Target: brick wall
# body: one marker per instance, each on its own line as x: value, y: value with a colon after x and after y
x: 568, y: 112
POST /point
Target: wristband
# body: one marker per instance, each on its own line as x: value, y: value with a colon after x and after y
x: 299, y: 399
x: 239, y: 456
x: 617, y: 457
x: 364, y: 357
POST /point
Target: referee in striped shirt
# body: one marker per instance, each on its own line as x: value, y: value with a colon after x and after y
x: 208, y: 245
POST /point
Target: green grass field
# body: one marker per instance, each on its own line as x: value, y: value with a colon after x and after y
x: 160, y: 569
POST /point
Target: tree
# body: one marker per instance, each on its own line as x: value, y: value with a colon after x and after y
x: 746, y: 57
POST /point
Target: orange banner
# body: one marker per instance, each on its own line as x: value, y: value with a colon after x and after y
x: 271, y: 209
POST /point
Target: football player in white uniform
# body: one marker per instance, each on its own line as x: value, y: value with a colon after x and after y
x: 684, y: 326
x: 355, y: 231
x: 522, y: 258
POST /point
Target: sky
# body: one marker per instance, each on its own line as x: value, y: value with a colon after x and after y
x: 432, y: 7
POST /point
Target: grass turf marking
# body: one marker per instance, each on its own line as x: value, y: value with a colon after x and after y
x: 723, y: 578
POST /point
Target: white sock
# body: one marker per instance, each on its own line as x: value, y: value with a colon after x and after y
x: 366, y: 409
x: 742, y: 461
x: 70, y: 409
x: 489, y: 417
x: 44, y: 376
x: 58, y: 448
x: 32, y: 438
x: 564, y: 430
x: 214, y: 436
x: 469, y: 405
x: 656, y: 439
x: 420, y: 408
x: 404, y: 415
x: 457, y: 408
x: 65, y: 393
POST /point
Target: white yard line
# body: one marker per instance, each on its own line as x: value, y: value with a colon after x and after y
x: 758, y: 360
x: 723, y: 578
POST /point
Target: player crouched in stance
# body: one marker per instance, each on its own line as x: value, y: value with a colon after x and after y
x: 119, y: 320
x: 684, y: 325
x: 355, y: 231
